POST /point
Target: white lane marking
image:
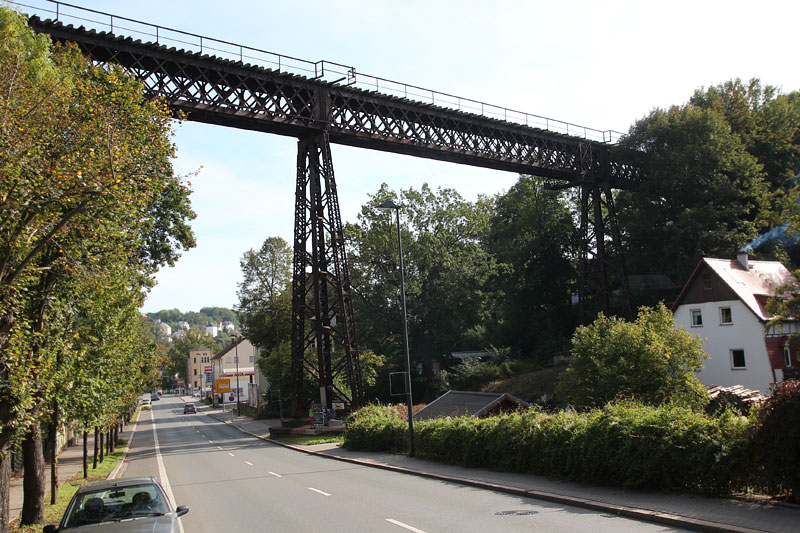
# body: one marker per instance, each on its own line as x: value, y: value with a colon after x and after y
x: 219, y: 447
x: 404, y: 526
x: 162, y: 472
x: 232, y: 455
x: 211, y: 442
x: 318, y: 491
x: 274, y: 474
x: 248, y: 463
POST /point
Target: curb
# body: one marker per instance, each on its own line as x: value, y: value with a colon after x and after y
x: 643, y: 515
x: 118, y: 469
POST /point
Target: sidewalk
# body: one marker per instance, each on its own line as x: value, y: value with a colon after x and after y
x: 70, y: 463
x: 683, y: 511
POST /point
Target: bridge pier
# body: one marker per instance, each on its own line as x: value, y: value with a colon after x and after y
x: 324, y: 342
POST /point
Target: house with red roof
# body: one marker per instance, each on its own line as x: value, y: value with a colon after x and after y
x: 724, y: 302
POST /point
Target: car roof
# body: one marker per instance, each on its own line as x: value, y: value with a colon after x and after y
x: 117, y: 483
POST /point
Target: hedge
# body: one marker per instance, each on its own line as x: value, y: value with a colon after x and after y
x: 622, y: 444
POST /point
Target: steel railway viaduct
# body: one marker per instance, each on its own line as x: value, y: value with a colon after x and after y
x: 318, y: 111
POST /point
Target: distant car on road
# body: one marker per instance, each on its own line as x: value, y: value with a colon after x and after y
x: 189, y: 408
x: 132, y: 504
x: 196, y: 394
x: 155, y: 397
x: 145, y: 403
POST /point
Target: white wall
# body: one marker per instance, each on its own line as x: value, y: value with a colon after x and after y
x: 746, y: 333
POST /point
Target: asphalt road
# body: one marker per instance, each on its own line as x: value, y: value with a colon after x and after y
x: 233, y: 482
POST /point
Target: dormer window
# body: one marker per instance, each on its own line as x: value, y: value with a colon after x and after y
x: 725, y: 316
x: 787, y: 356
x: 697, y: 318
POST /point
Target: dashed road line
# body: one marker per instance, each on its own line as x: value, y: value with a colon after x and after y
x: 248, y: 463
x: 404, y: 526
x: 274, y: 474
x: 232, y: 455
x: 319, y: 491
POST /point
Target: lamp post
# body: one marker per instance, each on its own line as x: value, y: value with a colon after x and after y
x: 278, y: 355
x: 238, y: 405
x: 387, y: 206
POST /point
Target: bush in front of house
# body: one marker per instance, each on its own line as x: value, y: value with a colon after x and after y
x: 775, y: 441
x: 623, y: 444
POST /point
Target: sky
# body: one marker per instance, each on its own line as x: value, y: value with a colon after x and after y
x: 598, y: 64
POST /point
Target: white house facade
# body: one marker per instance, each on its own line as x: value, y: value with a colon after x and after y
x: 724, y: 302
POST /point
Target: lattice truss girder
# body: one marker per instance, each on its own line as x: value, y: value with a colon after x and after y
x: 223, y: 92
x: 322, y: 306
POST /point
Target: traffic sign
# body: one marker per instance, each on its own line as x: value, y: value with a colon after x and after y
x: 223, y: 385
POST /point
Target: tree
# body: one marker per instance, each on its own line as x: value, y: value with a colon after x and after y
x: 87, y: 186
x: 446, y: 268
x: 647, y: 360
x: 267, y: 278
x: 533, y: 239
x: 701, y: 197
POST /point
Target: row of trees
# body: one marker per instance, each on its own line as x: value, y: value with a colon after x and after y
x: 722, y: 169
x: 89, y: 209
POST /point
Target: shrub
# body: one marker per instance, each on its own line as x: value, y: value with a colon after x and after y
x: 776, y: 440
x: 624, y: 444
x: 376, y: 428
x: 647, y: 360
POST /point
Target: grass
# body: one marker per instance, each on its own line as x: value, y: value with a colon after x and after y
x: 53, y: 513
x: 530, y: 386
x: 307, y: 440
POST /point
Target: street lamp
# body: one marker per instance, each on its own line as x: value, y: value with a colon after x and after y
x: 388, y: 205
x: 238, y: 405
x: 278, y: 355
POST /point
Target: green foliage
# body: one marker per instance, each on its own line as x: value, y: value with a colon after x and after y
x: 647, y: 359
x: 446, y: 268
x: 701, y: 196
x: 776, y: 438
x: 534, y: 240
x: 89, y: 209
x: 628, y: 445
x: 264, y: 293
x: 376, y: 428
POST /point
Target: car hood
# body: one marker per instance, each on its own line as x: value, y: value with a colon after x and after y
x: 150, y: 524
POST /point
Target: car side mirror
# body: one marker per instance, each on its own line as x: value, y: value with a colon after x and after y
x: 182, y: 510
x: 49, y: 528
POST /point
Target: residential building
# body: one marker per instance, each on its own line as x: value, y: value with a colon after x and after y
x: 166, y: 330
x: 724, y: 302
x: 251, y: 383
x: 198, y: 369
x: 212, y: 329
x: 182, y: 324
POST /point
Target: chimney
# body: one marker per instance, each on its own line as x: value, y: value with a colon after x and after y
x: 742, y: 258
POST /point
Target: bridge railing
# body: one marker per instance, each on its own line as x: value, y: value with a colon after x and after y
x: 324, y: 70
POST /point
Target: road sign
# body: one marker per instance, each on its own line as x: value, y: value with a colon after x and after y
x: 223, y: 385
x: 207, y: 368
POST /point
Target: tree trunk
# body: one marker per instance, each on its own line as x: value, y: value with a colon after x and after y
x: 102, y: 447
x: 96, y: 441
x: 54, y: 455
x: 85, y: 455
x: 5, y: 480
x: 33, y: 482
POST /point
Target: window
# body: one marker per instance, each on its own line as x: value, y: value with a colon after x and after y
x: 707, y: 282
x: 725, y: 316
x: 737, y: 359
x: 195, y: 371
x: 787, y: 356
x: 195, y: 360
x: 252, y: 358
x: 697, y: 318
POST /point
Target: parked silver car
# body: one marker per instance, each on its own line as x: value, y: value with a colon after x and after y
x: 122, y: 505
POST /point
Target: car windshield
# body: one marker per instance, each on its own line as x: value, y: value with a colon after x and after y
x: 116, y: 503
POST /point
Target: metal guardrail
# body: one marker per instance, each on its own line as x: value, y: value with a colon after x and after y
x: 329, y: 71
